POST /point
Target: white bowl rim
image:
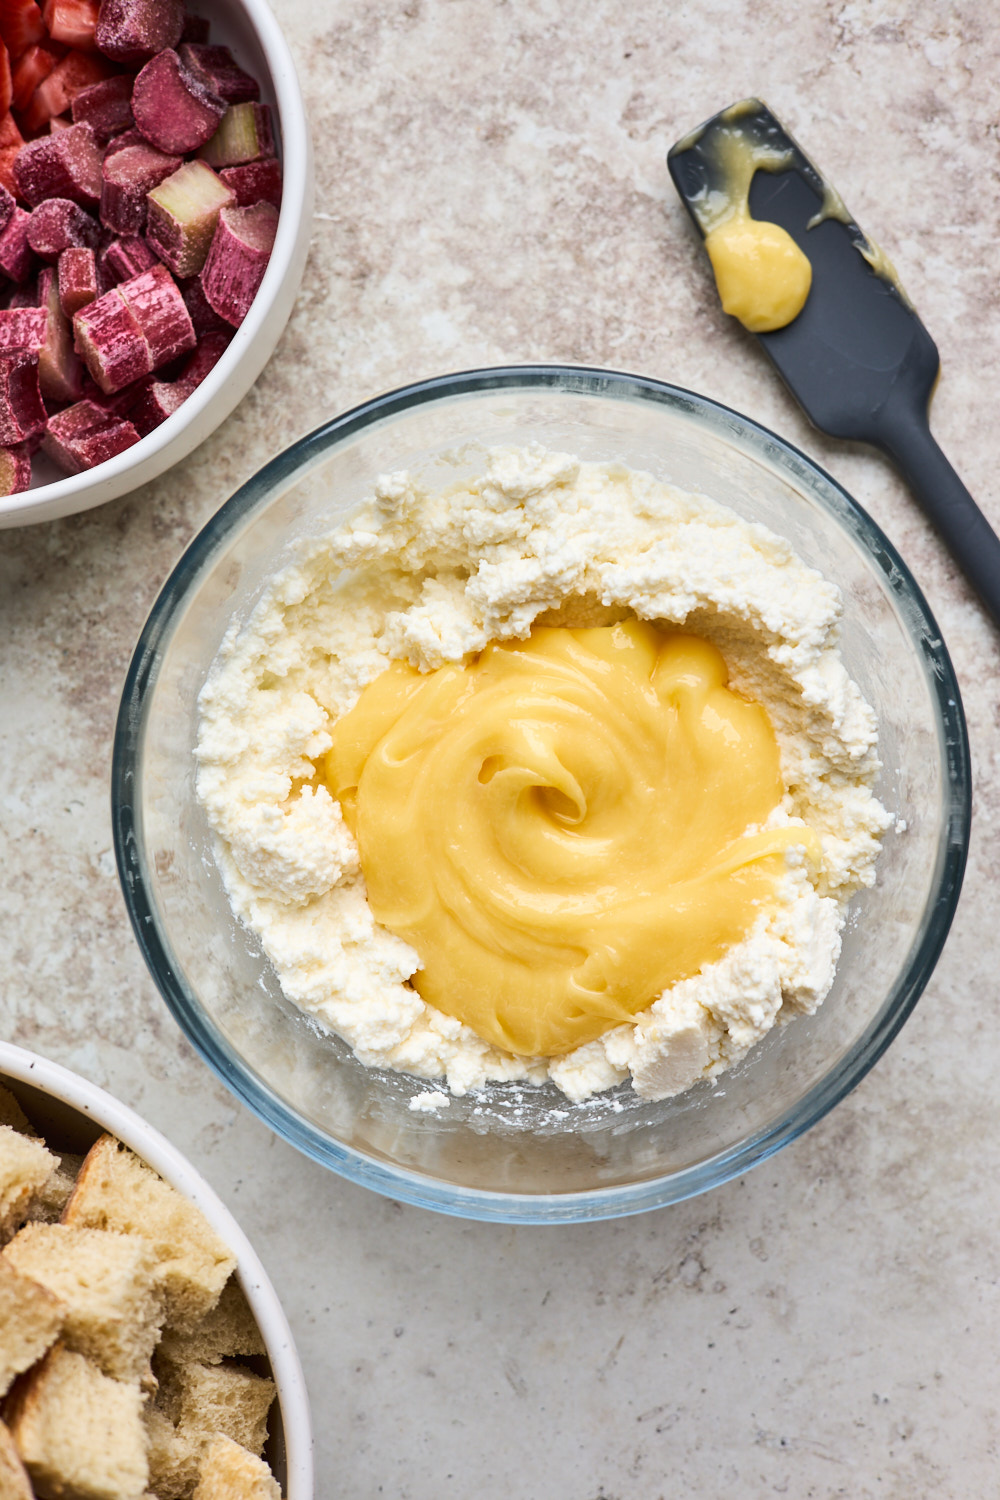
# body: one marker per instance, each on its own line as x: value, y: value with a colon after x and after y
x: 154, y: 1149
x: 108, y: 480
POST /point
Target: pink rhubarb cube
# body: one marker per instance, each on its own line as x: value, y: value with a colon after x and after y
x: 57, y: 224
x: 17, y: 259
x: 111, y: 343
x: 127, y: 177
x: 241, y: 249
x: 66, y: 165
x: 154, y: 300
x: 173, y: 109
x: 22, y: 412
x: 84, y: 435
x: 78, y: 279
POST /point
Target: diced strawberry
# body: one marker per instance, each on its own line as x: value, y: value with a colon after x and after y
x: 6, y: 81
x: 29, y: 70
x: 106, y: 107
x: 133, y: 31
x: 54, y: 95
x: 21, y: 25
x: 72, y: 22
x: 11, y: 142
x: 175, y: 112
x: 241, y: 249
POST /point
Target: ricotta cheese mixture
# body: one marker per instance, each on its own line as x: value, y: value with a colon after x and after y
x: 432, y: 578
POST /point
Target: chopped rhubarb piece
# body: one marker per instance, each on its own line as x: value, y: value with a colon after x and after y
x: 15, y: 469
x: 155, y: 301
x: 22, y: 413
x: 205, y: 358
x: 111, y: 342
x: 133, y: 31
x: 244, y: 135
x: 196, y: 29
x: 57, y: 224
x: 17, y: 259
x: 116, y: 403
x: 123, y: 142
x: 241, y: 249
x: 158, y: 402
x: 78, y: 282
x: 218, y: 70
x: 54, y: 95
x: 84, y: 435
x: 72, y: 22
x: 67, y: 165
x: 128, y: 176
x: 255, y: 182
x: 106, y: 107
x: 205, y: 319
x: 175, y: 112
x: 29, y: 70
x: 125, y: 258
x: 21, y: 25
x: 23, y: 329
x: 11, y: 142
x: 183, y: 212
x: 6, y: 207
x: 60, y: 373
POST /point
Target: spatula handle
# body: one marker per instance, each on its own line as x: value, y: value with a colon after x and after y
x: 975, y: 546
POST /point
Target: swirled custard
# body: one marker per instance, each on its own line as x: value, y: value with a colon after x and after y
x: 555, y: 774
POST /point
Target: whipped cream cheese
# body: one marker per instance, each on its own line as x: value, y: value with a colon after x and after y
x: 544, y: 538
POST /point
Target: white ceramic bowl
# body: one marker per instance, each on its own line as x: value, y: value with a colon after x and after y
x: 70, y: 1111
x: 249, y: 28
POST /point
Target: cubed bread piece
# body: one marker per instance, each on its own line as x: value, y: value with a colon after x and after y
x: 226, y: 1400
x: 14, y: 1482
x: 79, y: 1433
x: 30, y: 1320
x: 55, y: 1192
x: 229, y: 1472
x: 229, y: 1330
x: 109, y: 1286
x: 115, y: 1190
x: 174, y: 1457
x: 25, y: 1165
x: 13, y: 1115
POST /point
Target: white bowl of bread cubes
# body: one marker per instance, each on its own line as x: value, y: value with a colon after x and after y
x: 143, y: 1351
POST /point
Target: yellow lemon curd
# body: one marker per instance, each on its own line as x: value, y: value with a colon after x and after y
x: 563, y: 826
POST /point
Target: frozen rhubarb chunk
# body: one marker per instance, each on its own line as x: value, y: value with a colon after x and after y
x: 127, y: 177
x: 162, y: 398
x: 204, y: 318
x: 219, y: 71
x: 175, y: 112
x: 55, y: 94
x: 196, y: 29
x: 57, y: 224
x: 17, y: 259
x: 77, y: 276
x: 67, y: 165
x: 84, y: 435
x: 154, y: 300
x: 21, y: 25
x: 23, y: 329
x: 254, y: 182
x: 106, y: 107
x: 15, y: 469
x: 183, y: 212
x: 244, y: 134
x: 22, y: 413
x: 112, y: 344
x: 241, y: 249
x: 133, y: 31
x: 71, y: 22
x: 6, y: 206
x: 60, y: 373
x: 125, y: 258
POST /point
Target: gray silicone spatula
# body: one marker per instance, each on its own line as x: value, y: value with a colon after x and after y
x: 857, y: 357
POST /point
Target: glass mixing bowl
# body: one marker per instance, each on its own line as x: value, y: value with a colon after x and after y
x: 511, y: 1152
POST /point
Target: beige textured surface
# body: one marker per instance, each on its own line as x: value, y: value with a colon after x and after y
x: 491, y: 186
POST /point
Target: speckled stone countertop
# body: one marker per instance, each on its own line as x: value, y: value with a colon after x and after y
x: 491, y: 187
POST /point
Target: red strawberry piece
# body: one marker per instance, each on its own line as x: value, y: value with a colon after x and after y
x: 127, y: 177
x: 17, y: 259
x: 57, y: 224
x: 67, y: 165
x: 254, y: 182
x: 241, y: 249
x: 15, y: 469
x: 175, y: 112
x: 6, y: 81
x: 111, y: 342
x: 29, y: 70
x: 71, y: 22
x: 106, y: 107
x: 133, y: 31
x: 21, y: 25
x: 54, y: 95
x: 78, y: 279
x: 219, y: 71
x: 11, y: 142
x: 22, y: 414
x: 155, y: 301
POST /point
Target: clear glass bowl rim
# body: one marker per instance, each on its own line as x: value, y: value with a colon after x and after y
x: 412, y: 1187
